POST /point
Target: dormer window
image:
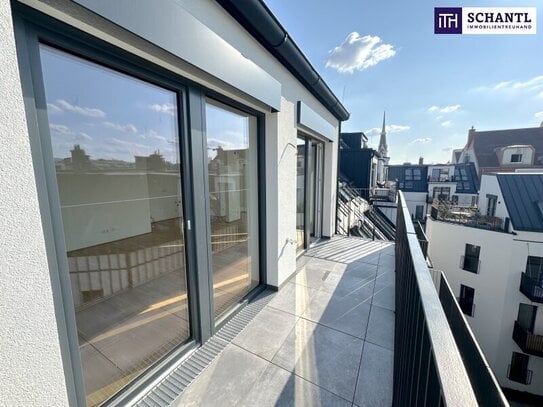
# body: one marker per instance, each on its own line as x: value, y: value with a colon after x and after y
x: 516, y: 158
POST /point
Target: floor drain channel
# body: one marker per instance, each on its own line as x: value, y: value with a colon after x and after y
x: 173, y: 385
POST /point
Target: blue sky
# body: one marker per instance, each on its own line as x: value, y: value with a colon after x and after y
x: 433, y: 87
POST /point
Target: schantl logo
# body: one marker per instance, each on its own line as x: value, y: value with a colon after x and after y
x: 448, y: 20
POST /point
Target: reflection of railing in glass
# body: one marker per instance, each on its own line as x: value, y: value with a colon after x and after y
x: 115, y: 144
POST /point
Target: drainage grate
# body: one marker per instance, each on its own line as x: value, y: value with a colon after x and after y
x: 171, y: 387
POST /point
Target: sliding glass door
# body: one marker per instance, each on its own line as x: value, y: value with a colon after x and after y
x: 115, y: 146
x: 233, y: 203
x: 301, y: 165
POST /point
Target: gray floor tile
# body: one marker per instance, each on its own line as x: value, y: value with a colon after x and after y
x: 280, y: 388
x: 323, y: 356
x: 381, y: 327
x: 311, y: 276
x: 347, y: 314
x: 266, y: 332
x: 292, y: 298
x: 374, y: 385
x: 226, y: 381
x: 385, y: 297
x: 344, y: 284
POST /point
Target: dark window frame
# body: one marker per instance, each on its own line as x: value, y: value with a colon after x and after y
x: 466, y: 303
x: 33, y: 28
x: 516, y: 158
x: 470, y: 261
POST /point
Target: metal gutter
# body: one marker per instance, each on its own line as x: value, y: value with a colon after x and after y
x: 260, y: 22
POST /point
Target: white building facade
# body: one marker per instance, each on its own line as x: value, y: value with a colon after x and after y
x: 150, y: 185
x: 485, y: 262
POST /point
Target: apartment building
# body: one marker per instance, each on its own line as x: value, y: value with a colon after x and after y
x: 502, y: 150
x: 493, y: 260
x: 423, y: 184
x: 160, y: 166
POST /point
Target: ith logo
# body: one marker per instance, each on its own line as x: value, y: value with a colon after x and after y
x: 448, y: 20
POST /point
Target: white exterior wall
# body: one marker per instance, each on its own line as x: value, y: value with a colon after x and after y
x: 497, y: 295
x: 490, y: 185
x: 31, y: 368
x: 412, y: 199
x: 31, y: 371
x: 526, y: 151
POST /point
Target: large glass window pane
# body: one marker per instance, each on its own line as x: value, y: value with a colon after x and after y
x: 115, y: 146
x: 300, y: 193
x: 233, y: 200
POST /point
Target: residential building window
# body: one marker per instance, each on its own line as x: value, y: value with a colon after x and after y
x: 441, y: 193
x: 465, y: 301
x: 455, y: 199
x: 416, y: 174
x: 518, y: 369
x: 409, y: 185
x: 516, y: 158
x: 409, y: 174
x: 419, y: 212
x: 491, y: 205
x: 534, y: 268
x: 232, y: 159
x: 526, y: 316
x: 117, y: 156
x: 470, y: 260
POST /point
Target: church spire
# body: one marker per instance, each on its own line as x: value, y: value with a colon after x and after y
x: 383, y: 148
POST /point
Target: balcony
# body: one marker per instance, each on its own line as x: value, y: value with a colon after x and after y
x: 531, y: 288
x: 527, y: 341
x: 327, y: 337
x: 467, y: 216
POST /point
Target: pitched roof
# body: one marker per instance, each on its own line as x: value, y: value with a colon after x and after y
x: 485, y: 144
x: 523, y: 195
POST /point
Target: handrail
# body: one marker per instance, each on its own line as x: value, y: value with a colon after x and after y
x: 428, y: 367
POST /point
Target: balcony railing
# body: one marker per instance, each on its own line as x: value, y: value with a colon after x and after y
x: 531, y: 288
x: 527, y: 341
x: 467, y: 216
x: 428, y: 366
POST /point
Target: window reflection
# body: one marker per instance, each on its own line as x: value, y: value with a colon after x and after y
x: 233, y: 200
x: 300, y: 193
x: 115, y: 146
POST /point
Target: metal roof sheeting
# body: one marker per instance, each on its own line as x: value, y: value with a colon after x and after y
x: 523, y: 194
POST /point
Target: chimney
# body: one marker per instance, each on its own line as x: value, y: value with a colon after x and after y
x: 421, y: 160
x: 471, y: 136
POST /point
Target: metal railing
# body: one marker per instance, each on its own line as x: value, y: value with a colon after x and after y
x: 527, y: 341
x: 531, y: 288
x: 485, y: 385
x: 466, y: 216
x: 428, y: 365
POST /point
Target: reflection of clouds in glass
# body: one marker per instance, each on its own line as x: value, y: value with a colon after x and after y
x: 153, y: 135
x: 168, y: 108
x: 85, y: 111
x: 125, y: 128
x: 62, y: 130
x: 53, y: 109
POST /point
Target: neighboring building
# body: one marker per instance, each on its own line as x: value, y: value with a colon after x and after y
x: 383, y: 154
x: 503, y: 150
x: 360, y: 165
x: 425, y: 183
x: 493, y: 261
x: 160, y: 166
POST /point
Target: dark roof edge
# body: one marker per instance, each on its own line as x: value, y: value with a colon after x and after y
x: 260, y: 22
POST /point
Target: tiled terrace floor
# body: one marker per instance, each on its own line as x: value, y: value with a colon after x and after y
x: 325, y: 339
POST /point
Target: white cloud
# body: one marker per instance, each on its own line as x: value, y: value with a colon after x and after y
x: 168, y: 108
x: 151, y: 134
x: 424, y: 140
x: 531, y: 84
x: 53, y: 109
x: 539, y: 115
x: 128, y: 144
x: 59, y: 128
x: 85, y: 111
x: 444, y: 109
x: 84, y: 136
x: 391, y: 128
x: 447, y: 123
x: 125, y: 128
x: 359, y: 53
